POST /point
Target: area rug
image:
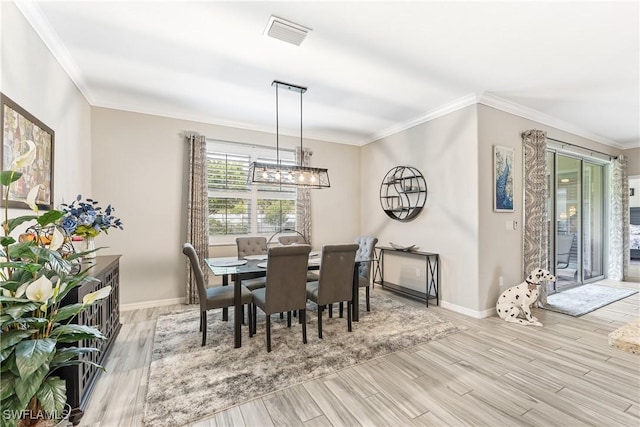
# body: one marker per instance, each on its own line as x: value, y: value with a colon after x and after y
x: 188, y: 382
x: 584, y: 299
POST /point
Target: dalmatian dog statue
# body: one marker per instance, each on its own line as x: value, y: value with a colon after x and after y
x: 518, y: 300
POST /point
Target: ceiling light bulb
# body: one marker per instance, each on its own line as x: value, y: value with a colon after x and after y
x: 313, y: 178
x: 290, y: 176
x: 277, y: 175
x: 301, y: 178
x: 265, y: 175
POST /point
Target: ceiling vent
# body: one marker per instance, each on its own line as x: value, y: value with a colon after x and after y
x: 286, y: 31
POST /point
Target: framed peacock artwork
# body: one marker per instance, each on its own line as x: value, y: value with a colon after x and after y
x: 503, y: 178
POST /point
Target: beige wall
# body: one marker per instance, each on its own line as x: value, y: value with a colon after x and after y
x: 32, y: 77
x: 139, y: 166
x: 445, y: 151
x: 633, y: 161
x: 501, y: 250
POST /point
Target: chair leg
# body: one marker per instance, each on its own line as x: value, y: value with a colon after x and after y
x: 281, y: 315
x: 349, y: 316
x: 367, y: 297
x: 201, y: 316
x: 288, y: 319
x: 303, y: 320
x: 341, y: 305
x: 255, y: 317
x: 330, y: 310
x: 268, y: 333
x: 243, y: 317
x: 204, y: 328
x: 300, y: 317
x: 250, y: 314
x: 320, y: 321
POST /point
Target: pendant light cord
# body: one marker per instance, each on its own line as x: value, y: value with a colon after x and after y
x: 277, y: 132
x: 301, y: 150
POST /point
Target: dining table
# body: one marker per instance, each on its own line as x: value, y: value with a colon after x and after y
x: 241, y: 269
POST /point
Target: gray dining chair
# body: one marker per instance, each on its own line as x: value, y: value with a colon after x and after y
x: 248, y: 246
x: 335, y: 284
x: 214, y: 297
x: 366, y: 250
x: 297, y: 239
x: 285, y: 287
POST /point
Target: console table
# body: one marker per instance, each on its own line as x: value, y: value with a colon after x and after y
x: 105, y: 315
x: 432, y: 280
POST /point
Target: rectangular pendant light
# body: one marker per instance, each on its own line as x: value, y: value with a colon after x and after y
x: 288, y: 175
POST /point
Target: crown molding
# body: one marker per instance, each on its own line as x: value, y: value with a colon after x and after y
x: 33, y: 14
x: 445, y: 109
x: 529, y: 113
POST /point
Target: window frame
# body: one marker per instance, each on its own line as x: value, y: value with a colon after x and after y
x: 253, y: 193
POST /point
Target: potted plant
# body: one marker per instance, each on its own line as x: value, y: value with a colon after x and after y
x: 37, y: 333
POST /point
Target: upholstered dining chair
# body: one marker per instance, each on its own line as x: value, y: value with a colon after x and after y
x: 215, y: 297
x: 366, y: 250
x: 297, y: 239
x: 248, y: 246
x: 336, y: 280
x: 285, y: 287
x: 292, y: 239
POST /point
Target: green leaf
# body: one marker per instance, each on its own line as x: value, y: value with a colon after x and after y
x: 67, y: 353
x: 50, y: 217
x: 28, y: 385
x: 11, y: 338
x: 21, y: 250
x: 28, y: 322
x: 55, y: 260
x: 7, y: 177
x: 7, y: 387
x: 16, y: 311
x: 4, y: 355
x: 15, y: 222
x: 8, y: 359
x: 73, y: 333
x: 81, y: 362
x: 52, y: 395
x: 30, y: 267
x: 6, y: 241
x: 11, y: 411
x: 31, y: 355
x: 68, y: 311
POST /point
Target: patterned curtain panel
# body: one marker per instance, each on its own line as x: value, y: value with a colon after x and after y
x: 303, y: 201
x: 197, y: 210
x: 536, y: 228
x: 618, y: 219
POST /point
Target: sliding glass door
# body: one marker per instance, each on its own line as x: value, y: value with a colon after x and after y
x: 576, y: 219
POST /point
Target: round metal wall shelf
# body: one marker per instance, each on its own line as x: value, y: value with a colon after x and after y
x: 403, y: 193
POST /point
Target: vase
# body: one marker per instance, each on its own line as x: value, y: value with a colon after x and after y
x: 89, y: 245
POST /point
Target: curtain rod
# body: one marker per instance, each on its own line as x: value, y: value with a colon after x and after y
x: 582, y: 148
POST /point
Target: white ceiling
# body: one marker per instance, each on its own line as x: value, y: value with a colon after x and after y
x: 372, y: 68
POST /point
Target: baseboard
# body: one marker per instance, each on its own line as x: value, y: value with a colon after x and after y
x: 151, y: 304
x: 467, y: 311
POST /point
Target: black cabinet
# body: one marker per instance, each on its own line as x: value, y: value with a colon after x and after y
x: 104, y: 315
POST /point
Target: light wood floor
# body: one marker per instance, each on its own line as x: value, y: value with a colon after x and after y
x: 492, y: 374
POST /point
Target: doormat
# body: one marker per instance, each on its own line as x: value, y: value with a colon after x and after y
x: 584, y: 299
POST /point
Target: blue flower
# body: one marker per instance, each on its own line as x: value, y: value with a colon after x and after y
x: 69, y: 223
x: 86, y: 218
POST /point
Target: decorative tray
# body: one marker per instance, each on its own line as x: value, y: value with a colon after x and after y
x: 402, y: 248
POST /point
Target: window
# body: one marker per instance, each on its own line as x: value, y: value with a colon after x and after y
x: 236, y: 208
